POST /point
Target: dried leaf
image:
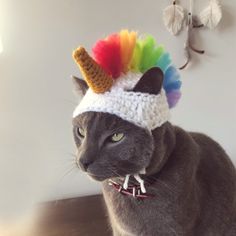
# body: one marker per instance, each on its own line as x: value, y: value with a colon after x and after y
x: 173, y: 17
x: 211, y: 15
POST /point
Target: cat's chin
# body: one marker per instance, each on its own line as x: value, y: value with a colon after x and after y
x: 97, y: 178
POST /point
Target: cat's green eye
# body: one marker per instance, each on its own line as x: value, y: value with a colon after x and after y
x: 117, y: 137
x: 80, y: 132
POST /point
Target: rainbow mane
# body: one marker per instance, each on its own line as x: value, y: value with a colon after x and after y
x: 124, y: 52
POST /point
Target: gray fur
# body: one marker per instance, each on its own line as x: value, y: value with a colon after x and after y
x: 80, y: 85
x: 192, y: 177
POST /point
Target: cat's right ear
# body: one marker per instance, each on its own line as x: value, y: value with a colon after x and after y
x: 81, y: 86
x: 150, y: 82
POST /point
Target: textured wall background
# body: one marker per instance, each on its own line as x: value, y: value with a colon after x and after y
x: 36, y: 100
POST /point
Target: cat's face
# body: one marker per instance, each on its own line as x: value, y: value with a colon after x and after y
x: 108, y: 146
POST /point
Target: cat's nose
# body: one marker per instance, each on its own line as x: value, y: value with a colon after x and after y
x: 84, y: 163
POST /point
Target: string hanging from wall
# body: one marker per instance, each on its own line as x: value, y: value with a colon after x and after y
x: 175, y: 18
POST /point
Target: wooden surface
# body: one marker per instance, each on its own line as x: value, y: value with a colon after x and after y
x: 83, y: 216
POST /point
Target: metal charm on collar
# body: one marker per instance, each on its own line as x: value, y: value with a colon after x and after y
x: 137, y: 177
x: 137, y: 191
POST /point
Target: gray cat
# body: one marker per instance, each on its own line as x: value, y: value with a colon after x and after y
x: 189, y: 177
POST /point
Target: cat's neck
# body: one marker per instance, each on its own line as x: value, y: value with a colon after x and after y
x: 164, y: 145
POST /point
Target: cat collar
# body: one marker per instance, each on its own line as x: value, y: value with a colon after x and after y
x: 131, y: 190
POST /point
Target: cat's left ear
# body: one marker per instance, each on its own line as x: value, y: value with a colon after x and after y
x: 151, y: 81
x: 81, y: 86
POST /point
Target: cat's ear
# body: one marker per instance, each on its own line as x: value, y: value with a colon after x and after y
x: 151, y: 81
x: 81, y: 86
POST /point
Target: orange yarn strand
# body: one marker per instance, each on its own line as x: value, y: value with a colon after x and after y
x: 127, y: 43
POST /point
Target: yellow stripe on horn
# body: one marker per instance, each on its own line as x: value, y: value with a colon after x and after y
x: 96, y: 77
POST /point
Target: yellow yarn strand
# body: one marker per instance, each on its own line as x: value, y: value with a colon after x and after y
x: 137, y: 55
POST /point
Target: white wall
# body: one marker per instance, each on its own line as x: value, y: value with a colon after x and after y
x: 36, y: 100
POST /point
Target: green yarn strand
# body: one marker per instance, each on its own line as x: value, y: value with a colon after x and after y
x: 150, y: 53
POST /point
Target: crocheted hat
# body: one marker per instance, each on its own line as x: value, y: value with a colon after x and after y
x: 118, y: 63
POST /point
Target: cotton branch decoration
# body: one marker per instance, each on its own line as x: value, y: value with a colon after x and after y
x: 211, y: 16
x: 175, y: 18
x: 188, y: 46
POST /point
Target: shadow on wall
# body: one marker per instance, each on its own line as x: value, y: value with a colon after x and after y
x: 228, y: 19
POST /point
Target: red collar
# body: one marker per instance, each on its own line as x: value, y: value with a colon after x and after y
x: 132, y: 190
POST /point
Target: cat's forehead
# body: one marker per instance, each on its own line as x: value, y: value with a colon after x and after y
x: 101, y: 121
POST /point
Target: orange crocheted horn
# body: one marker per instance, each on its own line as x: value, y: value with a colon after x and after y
x: 96, y: 77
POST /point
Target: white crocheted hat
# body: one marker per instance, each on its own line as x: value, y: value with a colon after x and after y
x: 146, y: 110
x: 111, y: 86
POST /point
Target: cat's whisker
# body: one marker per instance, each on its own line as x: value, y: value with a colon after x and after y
x: 62, y: 163
x: 114, y: 171
x: 67, y: 172
x: 72, y: 154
